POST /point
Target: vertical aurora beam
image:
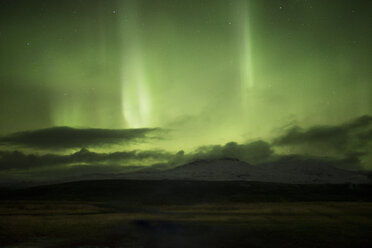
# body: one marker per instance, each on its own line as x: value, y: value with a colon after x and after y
x: 243, y: 31
x: 134, y: 84
x: 135, y: 93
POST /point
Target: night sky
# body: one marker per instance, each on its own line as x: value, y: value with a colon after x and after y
x: 173, y: 80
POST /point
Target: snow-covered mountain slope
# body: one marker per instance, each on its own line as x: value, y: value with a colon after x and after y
x: 290, y: 171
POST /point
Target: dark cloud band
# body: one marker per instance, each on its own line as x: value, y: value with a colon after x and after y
x: 354, y: 137
x: 67, y: 137
x: 13, y: 160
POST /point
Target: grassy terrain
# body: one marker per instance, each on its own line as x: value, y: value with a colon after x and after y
x: 280, y: 224
x: 124, y: 213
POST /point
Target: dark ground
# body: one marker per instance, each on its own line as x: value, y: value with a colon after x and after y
x: 190, y: 192
x: 123, y: 213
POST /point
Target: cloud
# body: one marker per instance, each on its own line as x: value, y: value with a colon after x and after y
x: 346, y: 145
x: 346, y: 140
x: 254, y: 152
x: 67, y: 137
x: 16, y: 160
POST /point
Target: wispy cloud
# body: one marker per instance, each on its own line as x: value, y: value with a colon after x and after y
x: 67, y: 137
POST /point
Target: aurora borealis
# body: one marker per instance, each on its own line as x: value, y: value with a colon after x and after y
x: 204, y: 72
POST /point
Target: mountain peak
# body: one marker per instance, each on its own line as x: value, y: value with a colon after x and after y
x: 83, y: 151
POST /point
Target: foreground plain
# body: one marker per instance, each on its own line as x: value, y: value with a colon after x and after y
x: 186, y: 214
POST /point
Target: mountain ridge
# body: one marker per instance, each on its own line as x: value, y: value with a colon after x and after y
x: 228, y: 169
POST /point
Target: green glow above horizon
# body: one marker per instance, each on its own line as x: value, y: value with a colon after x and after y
x: 209, y: 71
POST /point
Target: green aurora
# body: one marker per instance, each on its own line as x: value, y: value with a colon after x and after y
x: 205, y: 72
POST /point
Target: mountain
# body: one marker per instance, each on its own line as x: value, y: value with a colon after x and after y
x: 288, y: 170
x: 209, y: 170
